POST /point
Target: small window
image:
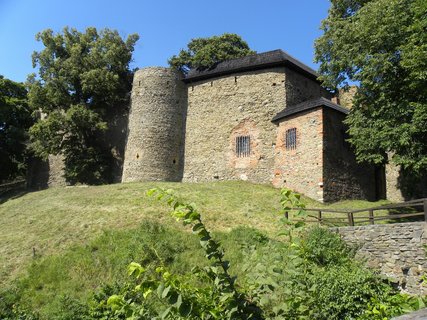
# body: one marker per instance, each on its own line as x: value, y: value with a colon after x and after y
x: 291, y: 139
x: 243, y: 146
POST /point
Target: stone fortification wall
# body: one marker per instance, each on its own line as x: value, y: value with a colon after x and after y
x: 219, y: 109
x: 117, y: 131
x: 300, y: 169
x: 346, y: 96
x: 46, y: 173
x: 222, y: 108
x: 343, y: 178
x: 56, y: 171
x: 300, y: 88
x: 396, y: 250
x: 404, y: 186
x: 155, y: 139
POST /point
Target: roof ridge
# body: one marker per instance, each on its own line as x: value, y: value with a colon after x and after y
x: 263, y: 60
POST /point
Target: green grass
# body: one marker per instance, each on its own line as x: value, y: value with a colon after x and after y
x: 76, y: 273
x: 52, y: 220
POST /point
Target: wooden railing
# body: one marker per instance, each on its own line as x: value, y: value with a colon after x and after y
x: 12, y: 186
x: 363, y: 216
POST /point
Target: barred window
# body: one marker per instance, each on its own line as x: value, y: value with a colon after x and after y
x: 243, y: 146
x: 291, y: 139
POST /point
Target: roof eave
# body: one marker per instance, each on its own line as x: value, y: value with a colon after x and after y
x: 311, y: 75
x: 279, y: 117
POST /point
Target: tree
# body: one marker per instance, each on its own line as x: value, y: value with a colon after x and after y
x: 84, y: 78
x: 15, y: 120
x: 382, y: 46
x: 205, y: 53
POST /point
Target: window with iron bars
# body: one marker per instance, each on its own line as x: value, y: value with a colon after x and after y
x: 291, y: 139
x: 243, y: 146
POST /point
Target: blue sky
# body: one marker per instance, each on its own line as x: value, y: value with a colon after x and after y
x: 164, y: 26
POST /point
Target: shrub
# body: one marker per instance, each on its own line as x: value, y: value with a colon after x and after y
x: 325, y: 248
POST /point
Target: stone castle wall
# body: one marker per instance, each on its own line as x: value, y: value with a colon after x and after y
x: 155, y: 139
x: 299, y: 88
x: 46, y: 173
x: 404, y: 186
x: 219, y: 109
x: 177, y: 131
x: 346, y: 97
x: 300, y: 169
x: 344, y: 178
x: 396, y: 250
x: 222, y: 108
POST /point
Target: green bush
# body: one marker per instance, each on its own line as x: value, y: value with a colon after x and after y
x: 10, y: 310
x: 343, y: 292
x: 325, y: 248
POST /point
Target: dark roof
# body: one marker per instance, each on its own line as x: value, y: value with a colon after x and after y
x: 307, y: 105
x: 253, y: 62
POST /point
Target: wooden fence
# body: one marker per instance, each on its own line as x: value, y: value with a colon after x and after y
x: 416, y: 208
x: 20, y: 184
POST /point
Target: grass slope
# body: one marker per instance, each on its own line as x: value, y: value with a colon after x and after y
x: 50, y: 221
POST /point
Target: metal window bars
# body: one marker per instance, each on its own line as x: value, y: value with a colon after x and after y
x: 243, y: 146
x: 291, y: 139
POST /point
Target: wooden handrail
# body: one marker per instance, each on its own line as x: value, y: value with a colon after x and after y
x: 349, y: 215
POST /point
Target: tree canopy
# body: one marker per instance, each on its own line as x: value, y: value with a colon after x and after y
x: 205, y: 53
x: 382, y: 46
x: 15, y: 119
x: 83, y: 78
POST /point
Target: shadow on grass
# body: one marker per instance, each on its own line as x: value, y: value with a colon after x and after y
x: 12, y: 194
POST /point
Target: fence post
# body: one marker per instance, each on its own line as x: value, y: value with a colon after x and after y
x: 350, y: 219
x: 319, y: 217
x: 425, y: 210
x: 371, y: 216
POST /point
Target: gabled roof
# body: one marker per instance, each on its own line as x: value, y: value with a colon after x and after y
x: 253, y: 62
x: 307, y: 105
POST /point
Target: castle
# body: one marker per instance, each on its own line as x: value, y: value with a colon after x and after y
x: 263, y: 118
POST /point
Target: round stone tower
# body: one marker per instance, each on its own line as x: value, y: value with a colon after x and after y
x: 155, y: 140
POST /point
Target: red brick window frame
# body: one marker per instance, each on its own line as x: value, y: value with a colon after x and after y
x: 243, y: 146
x: 291, y: 139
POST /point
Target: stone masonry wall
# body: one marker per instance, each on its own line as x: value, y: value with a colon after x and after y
x: 404, y: 186
x: 155, y: 140
x: 396, y: 250
x: 343, y: 177
x: 117, y: 131
x: 299, y: 88
x: 220, y: 109
x: 300, y: 169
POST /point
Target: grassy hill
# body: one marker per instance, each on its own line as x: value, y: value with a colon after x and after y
x: 47, y: 222
x: 61, y: 244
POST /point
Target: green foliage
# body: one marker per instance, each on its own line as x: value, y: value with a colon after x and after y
x: 325, y: 248
x: 206, y: 53
x: 392, y: 305
x: 381, y: 45
x: 15, y: 119
x: 10, y: 310
x: 83, y: 80
x: 293, y: 212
